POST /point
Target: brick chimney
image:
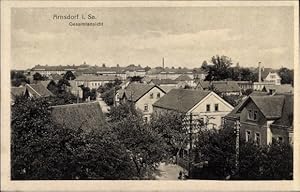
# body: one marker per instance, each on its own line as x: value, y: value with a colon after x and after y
x: 259, y: 72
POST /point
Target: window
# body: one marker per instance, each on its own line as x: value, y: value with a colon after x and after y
x: 208, y: 107
x: 146, y: 107
x: 250, y: 114
x: 216, y: 107
x: 257, y: 138
x: 255, y: 115
x: 151, y: 95
x: 158, y: 95
x: 248, y: 135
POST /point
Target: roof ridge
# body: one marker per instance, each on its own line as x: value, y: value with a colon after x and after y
x: 73, y: 104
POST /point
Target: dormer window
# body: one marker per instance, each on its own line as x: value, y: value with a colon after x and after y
x: 158, y: 95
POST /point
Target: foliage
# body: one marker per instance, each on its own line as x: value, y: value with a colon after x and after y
x: 38, y: 77
x: 61, y: 94
x: 219, y: 69
x: 40, y: 149
x: 85, y: 92
x: 69, y: 75
x: 122, y: 111
x: 145, y: 146
x: 136, y: 79
x: 18, y: 78
x: 170, y: 126
x: 274, y: 161
x: 218, y: 148
x: 233, y: 100
x: 93, y: 94
x: 108, y: 91
x: 287, y: 75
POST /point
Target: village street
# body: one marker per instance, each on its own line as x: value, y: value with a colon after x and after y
x: 168, y: 172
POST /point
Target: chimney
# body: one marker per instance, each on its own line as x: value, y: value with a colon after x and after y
x: 163, y: 63
x: 259, y: 72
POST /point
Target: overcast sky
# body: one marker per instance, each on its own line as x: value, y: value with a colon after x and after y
x: 184, y: 36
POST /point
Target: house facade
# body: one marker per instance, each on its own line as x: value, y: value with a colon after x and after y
x: 94, y: 81
x: 273, y: 77
x: 203, y: 105
x: 142, y: 95
x: 264, y: 119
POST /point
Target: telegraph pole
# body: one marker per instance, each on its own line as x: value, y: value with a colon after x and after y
x: 191, y: 143
x: 237, y: 145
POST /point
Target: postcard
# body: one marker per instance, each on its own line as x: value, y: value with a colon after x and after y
x: 149, y: 96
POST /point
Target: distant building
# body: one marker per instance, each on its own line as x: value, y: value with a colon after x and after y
x: 223, y: 87
x: 184, y: 79
x: 205, y: 105
x: 94, y: 81
x: 31, y: 91
x: 49, y: 70
x: 264, y: 118
x: 85, y: 116
x: 142, y: 95
x: 273, y: 77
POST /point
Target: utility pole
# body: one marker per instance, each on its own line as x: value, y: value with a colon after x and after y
x: 237, y: 146
x: 191, y: 143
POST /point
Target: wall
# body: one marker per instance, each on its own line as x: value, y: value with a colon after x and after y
x: 147, y: 100
x: 223, y: 110
x: 255, y: 126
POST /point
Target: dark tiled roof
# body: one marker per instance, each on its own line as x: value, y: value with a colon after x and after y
x: 183, y: 77
x: 286, y: 118
x: 270, y: 106
x: 135, y: 91
x: 202, y: 85
x: 286, y: 88
x: 181, y: 100
x: 226, y: 86
x: 163, y: 81
x: 87, y: 116
x: 17, y: 91
x: 38, y: 90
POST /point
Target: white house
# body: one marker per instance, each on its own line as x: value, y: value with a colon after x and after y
x: 274, y: 78
x: 142, y: 95
x: 204, y: 105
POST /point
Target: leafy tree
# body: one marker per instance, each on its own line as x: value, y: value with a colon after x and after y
x: 147, y: 68
x: 18, y: 78
x: 171, y: 127
x: 287, y: 75
x: 86, y: 92
x: 136, y: 79
x: 219, y: 69
x: 38, y: 77
x: 40, y: 149
x: 124, y: 110
x: 145, y: 146
x: 109, y: 90
x: 93, y: 94
x: 69, y: 75
x: 218, y: 148
x: 61, y: 95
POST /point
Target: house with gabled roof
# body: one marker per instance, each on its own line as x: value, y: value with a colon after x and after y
x: 85, y: 116
x: 264, y: 118
x: 142, y: 95
x: 204, y: 105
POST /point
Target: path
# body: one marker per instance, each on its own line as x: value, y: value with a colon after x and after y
x: 168, y: 172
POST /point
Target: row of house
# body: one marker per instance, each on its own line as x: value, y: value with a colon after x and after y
x: 120, y: 72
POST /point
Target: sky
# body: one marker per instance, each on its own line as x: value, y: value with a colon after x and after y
x: 184, y: 36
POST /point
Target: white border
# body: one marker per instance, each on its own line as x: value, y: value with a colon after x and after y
x: 7, y: 185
